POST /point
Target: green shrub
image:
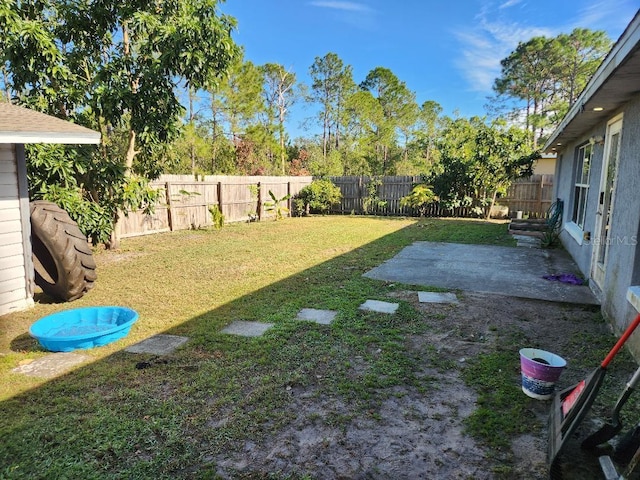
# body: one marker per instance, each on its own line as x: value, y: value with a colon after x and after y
x: 298, y: 207
x: 216, y: 216
x: 318, y: 197
x: 419, y: 199
x: 372, y: 201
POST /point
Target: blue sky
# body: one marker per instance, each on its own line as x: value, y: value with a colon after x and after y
x: 447, y: 51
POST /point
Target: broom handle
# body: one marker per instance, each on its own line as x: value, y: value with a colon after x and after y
x: 627, y: 333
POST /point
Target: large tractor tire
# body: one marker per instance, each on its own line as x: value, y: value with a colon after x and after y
x: 62, y: 259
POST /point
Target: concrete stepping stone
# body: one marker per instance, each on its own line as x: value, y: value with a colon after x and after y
x: 323, y: 317
x: 437, y: 297
x: 52, y: 365
x: 378, y: 306
x: 247, y: 329
x: 158, y: 344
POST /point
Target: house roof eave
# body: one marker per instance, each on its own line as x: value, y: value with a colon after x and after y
x: 23, y: 125
x: 50, y: 137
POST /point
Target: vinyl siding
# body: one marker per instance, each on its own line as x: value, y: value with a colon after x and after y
x: 14, y: 293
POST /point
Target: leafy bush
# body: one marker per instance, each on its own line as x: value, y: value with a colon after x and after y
x: 372, y: 201
x: 419, y: 199
x: 93, y: 220
x: 299, y: 207
x: 318, y: 197
x: 216, y: 216
x: 94, y: 194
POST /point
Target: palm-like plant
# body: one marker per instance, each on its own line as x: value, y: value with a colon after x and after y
x: 275, y: 205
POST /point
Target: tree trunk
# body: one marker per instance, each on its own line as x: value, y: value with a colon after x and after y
x: 325, y: 140
x: 131, y: 152
x: 114, y: 239
x: 104, y: 134
x: 386, y: 157
x: 214, y: 129
x: 493, y: 202
x: 131, y: 147
x: 283, y: 112
x: 192, y: 147
x: 337, y: 134
x: 282, y: 152
x: 5, y: 78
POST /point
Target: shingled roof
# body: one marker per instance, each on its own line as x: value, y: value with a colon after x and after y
x: 21, y: 125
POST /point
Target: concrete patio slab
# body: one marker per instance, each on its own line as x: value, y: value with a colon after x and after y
x: 247, y: 329
x: 380, y: 307
x: 52, y: 365
x: 435, y: 297
x: 527, y: 241
x: 158, y: 344
x: 323, y: 317
x: 509, y: 271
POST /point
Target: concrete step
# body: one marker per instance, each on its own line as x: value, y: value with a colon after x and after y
x: 528, y: 233
x: 528, y: 241
x: 538, y: 227
x: 529, y: 220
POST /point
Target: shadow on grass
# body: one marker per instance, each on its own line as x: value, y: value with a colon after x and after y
x: 25, y: 343
x: 143, y: 416
x: 43, y: 298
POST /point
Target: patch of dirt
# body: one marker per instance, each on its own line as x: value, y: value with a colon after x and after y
x: 420, y: 434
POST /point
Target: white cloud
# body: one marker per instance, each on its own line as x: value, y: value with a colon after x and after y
x: 498, y: 29
x: 605, y: 15
x: 345, y: 6
x: 356, y: 15
x: 479, y: 61
x: 509, y: 3
x: 487, y: 43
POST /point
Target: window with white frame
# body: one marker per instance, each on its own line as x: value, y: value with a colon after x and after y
x: 581, y: 188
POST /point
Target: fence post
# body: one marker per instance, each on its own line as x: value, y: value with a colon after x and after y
x: 539, y: 196
x: 259, y: 205
x: 219, y: 193
x: 289, y: 195
x: 167, y: 187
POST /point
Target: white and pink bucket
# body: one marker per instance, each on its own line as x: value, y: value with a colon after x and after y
x: 540, y: 372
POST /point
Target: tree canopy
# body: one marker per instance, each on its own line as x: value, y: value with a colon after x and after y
x: 114, y: 67
x: 546, y: 75
x: 170, y: 92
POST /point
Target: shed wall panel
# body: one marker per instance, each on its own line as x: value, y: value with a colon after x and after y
x: 14, y: 293
x: 13, y: 238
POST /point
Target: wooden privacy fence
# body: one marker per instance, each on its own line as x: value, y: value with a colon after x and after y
x: 531, y: 195
x: 184, y: 202
x: 356, y: 198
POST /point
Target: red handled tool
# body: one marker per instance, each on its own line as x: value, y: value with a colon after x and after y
x: 571, y: 405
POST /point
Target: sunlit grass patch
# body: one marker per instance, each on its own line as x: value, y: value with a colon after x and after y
x: 125, y: 415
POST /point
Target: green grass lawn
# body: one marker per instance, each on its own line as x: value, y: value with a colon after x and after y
x: 109, y: 419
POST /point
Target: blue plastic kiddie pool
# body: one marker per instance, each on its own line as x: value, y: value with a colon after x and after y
x: 83, y: 328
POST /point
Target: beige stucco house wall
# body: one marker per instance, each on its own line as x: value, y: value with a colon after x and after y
x: 545, y: 165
